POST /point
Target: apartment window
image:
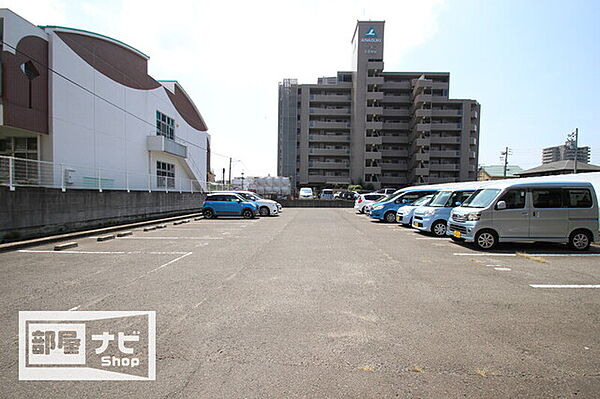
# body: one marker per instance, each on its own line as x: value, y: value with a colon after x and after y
x: 165, y: 126
x: 165, y: 174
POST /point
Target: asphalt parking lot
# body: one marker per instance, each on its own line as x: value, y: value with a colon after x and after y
x: 321, y: 303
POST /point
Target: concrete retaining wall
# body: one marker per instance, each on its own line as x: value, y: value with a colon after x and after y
x: 316, y: 203
x: 30, y: 212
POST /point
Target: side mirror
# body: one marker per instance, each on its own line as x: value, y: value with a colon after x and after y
x: 457, y: 203
x: 501, y: 205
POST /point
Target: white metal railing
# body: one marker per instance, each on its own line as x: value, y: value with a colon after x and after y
x: 19, y: 172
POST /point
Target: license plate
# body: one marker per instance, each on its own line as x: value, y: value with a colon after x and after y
x: 457, y: 234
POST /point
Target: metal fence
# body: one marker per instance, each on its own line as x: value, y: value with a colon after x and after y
x: 18, y: 172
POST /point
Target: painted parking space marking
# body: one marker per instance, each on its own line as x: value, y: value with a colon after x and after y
x: 173, y: 238
x: 514, y: 254
x: 40, y: 251
x: 564, y: 285
x: 170, y: 262
x: 502, y: 269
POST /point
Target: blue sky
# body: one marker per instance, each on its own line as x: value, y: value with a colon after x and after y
x: 533, y: 65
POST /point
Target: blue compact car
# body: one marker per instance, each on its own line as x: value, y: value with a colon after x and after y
x: 228, y: 205
x: 433, y: 218
x: 386, y: 210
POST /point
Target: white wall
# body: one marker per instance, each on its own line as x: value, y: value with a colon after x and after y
x: 89, y: 133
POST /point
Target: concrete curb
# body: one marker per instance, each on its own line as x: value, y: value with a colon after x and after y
x: 46, y: 240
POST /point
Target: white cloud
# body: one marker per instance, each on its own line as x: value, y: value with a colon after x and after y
x: 230, y: 55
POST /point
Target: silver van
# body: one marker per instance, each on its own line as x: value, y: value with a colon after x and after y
x: 512, y: 211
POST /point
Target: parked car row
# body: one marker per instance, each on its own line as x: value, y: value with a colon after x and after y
x: 239, y: 203
x: 488, y: 213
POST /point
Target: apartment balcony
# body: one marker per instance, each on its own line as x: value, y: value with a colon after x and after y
x: 374, y: 125
x: 328, y: 165
x: 394, y: 153
x: 329, y: 111
x: 396, y: 112
x: 328, y: 151
x: 446, y: 126
x: 396, y: 85
x: 330, y: 98
x: 374, y: 110
x: 375, y: 80
x: 421, y: 171
x: 394, y: 140
x: 391, y: 98
x: 446, y: 179
x: 372, y: 155
x: 422, y: 83
x: 423, y: 127
x: 395, y: 125
x: 421, y: 156
x: 444, y: 140
x: 423, y: 113
x: 328, y: 179
x: 422, y: 142
x: 440, y: 167
x: 444, y: 154
x: 375, y: 95
x: 401, y: 167
x: 372, y: 170
x: 446, y: 112
x: 473, y: 141
x: 328, y: 138
x: 161, y: 143
x: 328, y: 125
x: 422, y: 98
x: 373, y: 140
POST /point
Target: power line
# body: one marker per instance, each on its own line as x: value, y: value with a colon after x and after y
x: 104, y: 99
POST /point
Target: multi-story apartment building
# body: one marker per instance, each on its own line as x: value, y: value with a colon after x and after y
x: 565, y: 152
x: 367, y: 126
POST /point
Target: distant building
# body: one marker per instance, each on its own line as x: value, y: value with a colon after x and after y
x: 565, y: 152
x: 558, y: 168
x: 373, y: 127
x: 85, y: 101
x: 496, y: 172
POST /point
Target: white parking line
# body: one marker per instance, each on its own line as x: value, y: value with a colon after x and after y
x: 564, y: 285
x: 503, y: 269
x: 34, y: 251
x: 491, y: 254
x: 170, y: 262
x: 172, y: 238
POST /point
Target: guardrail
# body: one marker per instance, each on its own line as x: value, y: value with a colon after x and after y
x: 19, y: 172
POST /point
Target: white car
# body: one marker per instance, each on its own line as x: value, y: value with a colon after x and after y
x: 362, y: 203
x: 306, y: 193
x: 266, y: 207
x: 404, y: 214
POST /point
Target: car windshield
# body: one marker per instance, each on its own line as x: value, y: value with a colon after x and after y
x: 255, y: 197
x: 305, y: 190
x: 440, y: 199
x: 423, y: 200
x: 481, y: 198
x: 246, y: 196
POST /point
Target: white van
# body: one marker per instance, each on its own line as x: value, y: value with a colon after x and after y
x: 306, y: 193
x: 513, y: 211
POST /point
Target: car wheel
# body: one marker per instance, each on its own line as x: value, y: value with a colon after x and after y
x: 264, y: 211
x: 439, y: 228
x: 209, y: 213
x: 486, y: 240
x: 361, y: 210
x: 390, y: 217
x: 580, y: 240
x: 247, y: 214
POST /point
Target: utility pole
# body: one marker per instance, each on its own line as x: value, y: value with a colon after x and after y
x: 223, y: 178
x: 505, y: 154
x: 574, y: 137
x: 230, y: 173
x: 242, y: 180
